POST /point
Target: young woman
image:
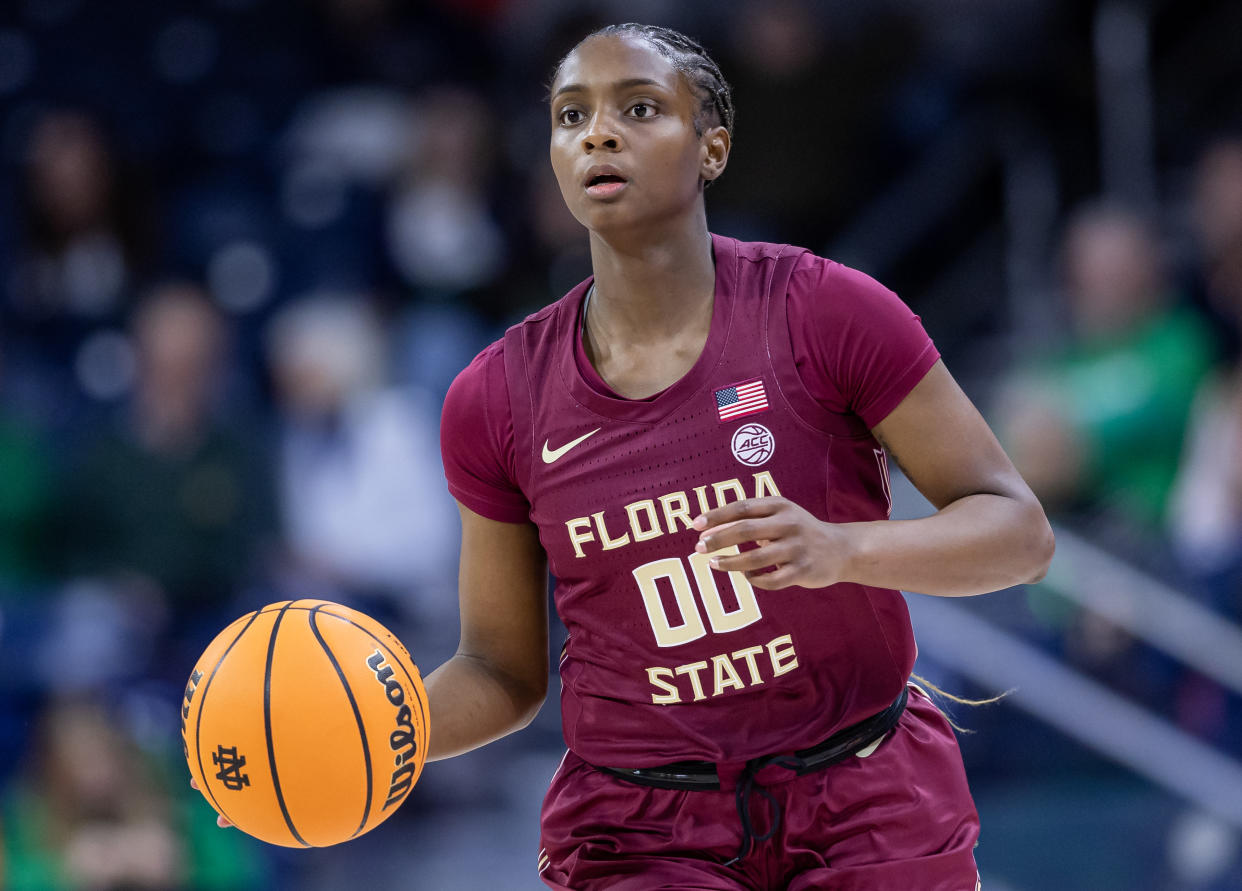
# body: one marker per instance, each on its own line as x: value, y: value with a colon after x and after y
x: 694, y: 441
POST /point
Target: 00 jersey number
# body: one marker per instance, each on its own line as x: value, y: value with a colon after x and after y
x: 692, y: 626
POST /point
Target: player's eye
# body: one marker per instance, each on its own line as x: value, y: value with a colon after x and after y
x: 570, y: 116
x: 642, y: 110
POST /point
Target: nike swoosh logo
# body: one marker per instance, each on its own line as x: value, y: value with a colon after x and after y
x: 550, y: 455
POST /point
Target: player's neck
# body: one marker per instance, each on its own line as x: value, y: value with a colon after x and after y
x: 650, y: 311
x: 652, y: 287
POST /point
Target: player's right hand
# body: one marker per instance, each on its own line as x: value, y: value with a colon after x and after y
x: 220, y: 821
x: 791, y: 546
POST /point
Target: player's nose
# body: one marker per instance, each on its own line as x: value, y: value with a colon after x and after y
x: 600, y: 134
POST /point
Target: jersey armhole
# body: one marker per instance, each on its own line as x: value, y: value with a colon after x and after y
x: 522, y: 410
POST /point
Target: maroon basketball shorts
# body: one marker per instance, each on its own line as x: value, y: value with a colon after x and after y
x: 897, y: 818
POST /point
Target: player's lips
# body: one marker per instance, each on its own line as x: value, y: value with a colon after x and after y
x: 604, y: 181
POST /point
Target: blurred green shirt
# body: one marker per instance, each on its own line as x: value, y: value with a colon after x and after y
x: 1128, y: 398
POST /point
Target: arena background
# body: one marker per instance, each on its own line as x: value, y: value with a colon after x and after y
x: 245, y: 245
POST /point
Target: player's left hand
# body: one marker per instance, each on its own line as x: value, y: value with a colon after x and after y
x: 792, y: 546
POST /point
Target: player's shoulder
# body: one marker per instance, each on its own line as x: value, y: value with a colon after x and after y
x: 815, y: 277
x: 480, y: 386
x: 809, y: 267
x: 764, y: 252
x: 833, y: 287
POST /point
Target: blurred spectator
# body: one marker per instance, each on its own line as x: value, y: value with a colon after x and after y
x: 1096, y: 427
x: 444, y: 239
x: 170, y: 502
x: 1206, y: 515
x: 1097, y: 424
x: 1218, y: 209
x: 84, y: 231
x: 83, y: 246
x: 363, y: 504
x: 442, y: 235
x: 93, y: 811
x: 1217, y: 218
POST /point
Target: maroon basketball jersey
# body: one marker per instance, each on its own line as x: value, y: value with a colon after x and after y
x: 668, y: 659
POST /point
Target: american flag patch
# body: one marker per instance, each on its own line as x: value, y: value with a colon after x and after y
x: 740, y: 400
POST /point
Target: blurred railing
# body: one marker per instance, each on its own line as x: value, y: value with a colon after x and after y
x: 1147, y: 608
x: 1083, y: 709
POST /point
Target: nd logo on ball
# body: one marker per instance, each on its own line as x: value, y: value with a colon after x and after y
x: 305, y: 723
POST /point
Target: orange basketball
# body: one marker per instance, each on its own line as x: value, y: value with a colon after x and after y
x: 305, y: 723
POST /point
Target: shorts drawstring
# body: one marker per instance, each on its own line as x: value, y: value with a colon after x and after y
x: 705, y: 775
x: 745, y: 786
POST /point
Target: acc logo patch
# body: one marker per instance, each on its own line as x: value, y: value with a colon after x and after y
x: 753, y: 444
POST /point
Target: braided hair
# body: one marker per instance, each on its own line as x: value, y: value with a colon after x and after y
x: 688, y: 57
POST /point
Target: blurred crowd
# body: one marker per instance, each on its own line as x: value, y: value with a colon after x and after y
x: 1126, y: 426
x: 245, y: 246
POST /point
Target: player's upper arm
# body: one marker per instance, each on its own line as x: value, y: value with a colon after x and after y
x: 944, y: 446
x: 476, y: 440
x: 503, y: 587
x: 503, y: 576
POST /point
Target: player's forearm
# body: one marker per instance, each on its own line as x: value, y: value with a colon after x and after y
x: 473, y: 703
x: 977, y: 544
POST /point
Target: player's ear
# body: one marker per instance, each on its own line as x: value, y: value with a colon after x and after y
x: 716, y: 143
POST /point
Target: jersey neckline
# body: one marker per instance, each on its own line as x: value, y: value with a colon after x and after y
x: 588, y: 388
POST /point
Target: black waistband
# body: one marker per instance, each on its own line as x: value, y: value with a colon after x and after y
x: 838, y: 747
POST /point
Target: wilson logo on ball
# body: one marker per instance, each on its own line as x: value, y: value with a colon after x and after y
x: 402, y: 740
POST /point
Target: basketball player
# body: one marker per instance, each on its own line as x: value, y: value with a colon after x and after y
x: 694, y: 441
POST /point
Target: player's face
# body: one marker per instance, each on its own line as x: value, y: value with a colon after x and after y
x: 624, y: 147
